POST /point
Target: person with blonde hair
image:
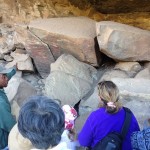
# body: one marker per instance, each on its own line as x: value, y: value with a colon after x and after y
x: 107, y: 119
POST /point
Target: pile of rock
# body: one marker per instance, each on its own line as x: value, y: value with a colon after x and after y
x: 71, y: 78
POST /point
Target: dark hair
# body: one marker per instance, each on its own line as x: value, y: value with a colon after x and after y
x: 109, y: 92
x: 41, y: 120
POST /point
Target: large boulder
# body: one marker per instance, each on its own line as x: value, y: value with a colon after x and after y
x: 140, y: 107
x: 133, y: 87
x: 108, y: 75
x: 123, y: 42
x: 38, y: 50
x: 66, y: 88
x: 128, y: 66
x: 70, y: 65
x: 69, y: 80
x: 90, y: 103
x: 145, y: 74
x: 73, y: 35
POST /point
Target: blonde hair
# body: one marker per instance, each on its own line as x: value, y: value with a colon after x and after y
x: 109, y: 94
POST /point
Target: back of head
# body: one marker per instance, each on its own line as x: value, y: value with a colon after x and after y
x: 41, y: 120
x: 109, y: 94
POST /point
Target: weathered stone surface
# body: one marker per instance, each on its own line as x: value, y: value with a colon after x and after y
x: 128, y: 66
x: 118, y: 6
x: 133, y: 87
x: 25, y: 90
x: 136, y: 13
x: 70, y: 65
x: 40, y: 53
x: 140, y: 107
x: 13, y: 85
x: 6, y: 38
x: 79, y: 122
x: 8, y: 58
x: 145, y: 74
x: 122, y: 42
x: 131, y: 68
x: 25, y: 65
x: 38, y: 50
x: 11, y: 64
x: 108, y: 75
x: 73, y: 35
x: 65, y: 87
x: 18, y: 90
x: 1, y: 56
x: 23, y: 61
x: 20, y: 51
x: 91, y: 102
x: 147, y: 65
x: 69, y: 80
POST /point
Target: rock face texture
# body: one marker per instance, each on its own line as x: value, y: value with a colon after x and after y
x: 38, y: 50
x: 132, y: 12
x: 69, y: 80
x: 120, y: 6
x: 73, y: 35
x: 47, y: 39
x: 122, y: 42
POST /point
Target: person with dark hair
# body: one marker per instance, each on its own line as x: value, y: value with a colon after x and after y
x: 41, y: 124
x: 7, y: 121
x: 108, y: 118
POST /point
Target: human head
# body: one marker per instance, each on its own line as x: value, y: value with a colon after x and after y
x: 3, y: 76
x: 41, y: 120
x: 3, y: 80
x: 109, y: 95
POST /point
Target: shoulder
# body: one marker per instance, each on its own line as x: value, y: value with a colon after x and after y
x: 99, y: 111
x: 16, y: 141
x: 95, y: 115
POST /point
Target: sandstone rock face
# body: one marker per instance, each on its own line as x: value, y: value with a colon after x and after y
x: 145, y: 74
x: 66, y: 88
x: 22, y: 61
x: 120, y: 6
x: 79, y: 122
x: 132, y: 12
x: 72, y: 84
x: 133, y: 87
x: 113, y: 74
x: 140, y: 107
x: 128, y: 66
x: 122, y: 42
x: 73, y: 35
x: 40, y: 53
x: 92, y: 102
x: 6, y: 38
x: 37, y: 50
x: 70, y: 65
